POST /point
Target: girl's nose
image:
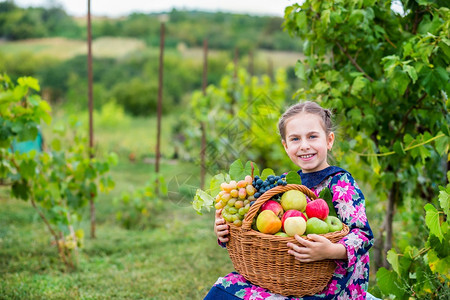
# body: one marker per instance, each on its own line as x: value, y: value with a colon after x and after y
x: 304, y: 145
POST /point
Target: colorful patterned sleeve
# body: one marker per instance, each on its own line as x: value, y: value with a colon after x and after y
x: 349, y: 203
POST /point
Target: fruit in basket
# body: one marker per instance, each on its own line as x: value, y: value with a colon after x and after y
x: 262, y: 186
x: 273, y: 206
x: 268, y: 222
x: 235, y: 198
x: 281, y: 233
x: 294, y: 225
x: 316, y: 225
x: 334, y: 224
x: 317, y: 209
x: 293, y: 199
x: 291, y: 213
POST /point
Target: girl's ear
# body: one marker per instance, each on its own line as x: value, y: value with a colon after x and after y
x: 330, y: 141
x: 284, y: 145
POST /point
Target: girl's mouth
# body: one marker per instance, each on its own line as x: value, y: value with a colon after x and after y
x: 306, y: 156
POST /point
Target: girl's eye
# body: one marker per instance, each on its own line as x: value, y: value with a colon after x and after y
x: 313, y: 136
x: 294, y: 139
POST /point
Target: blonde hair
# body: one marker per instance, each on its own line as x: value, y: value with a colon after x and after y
x: 307, y: 107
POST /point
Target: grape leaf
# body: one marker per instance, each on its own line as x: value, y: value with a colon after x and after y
x: 432, y: 221
x: 266, y: 172
x: 398, y: 148
x: 388, y: 283
x: 326, y: 195
x: 214, y: 185
x: 437, y: 265
x: 293, y: 178
x: 236, y: 170
x: 444, y: 200
x: 202, y: 200
x: 392, y: 258
x: 300, y: 70
x: 248, y: 169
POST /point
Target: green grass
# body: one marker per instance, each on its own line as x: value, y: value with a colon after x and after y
x: 177, y: 258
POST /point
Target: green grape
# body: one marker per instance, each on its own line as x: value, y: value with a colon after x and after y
x: 238, y: 222
x: 232, y: 210
x: 242, y: 211
x: 232, y: 201
x: 239, y: 204
x: 234, y: 218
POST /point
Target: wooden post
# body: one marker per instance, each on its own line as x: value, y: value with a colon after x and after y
x: 236, y: 53
x: 160, y: 93
x: 202, y: 124
x: 91, y: 108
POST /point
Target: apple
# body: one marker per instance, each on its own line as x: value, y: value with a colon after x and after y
x: 295, y: 225
x: 334, y: 224
x: 291, y: 213
x: 317, y: 209
x: 273, y: 206
x: 280, y: 233
x: 268, y: 222
x: 293, y: 199
x: 316, y: 225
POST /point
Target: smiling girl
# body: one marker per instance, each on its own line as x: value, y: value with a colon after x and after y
x: 307, y: 135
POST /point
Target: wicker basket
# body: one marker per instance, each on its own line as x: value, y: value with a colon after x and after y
x: 263, y: 259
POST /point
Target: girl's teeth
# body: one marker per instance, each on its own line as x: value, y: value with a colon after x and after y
x: 306, y: 156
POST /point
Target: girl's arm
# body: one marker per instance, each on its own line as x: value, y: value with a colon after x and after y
x: 349, y: 203
x: 350, y: 207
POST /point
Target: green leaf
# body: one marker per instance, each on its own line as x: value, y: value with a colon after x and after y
x: 392, y: 258
x: 266, y: 172
x: 236, y: 170
x: 214, y: 185
x: 300, y: 70
x: 438, y: 265
x: 398, y: 148
x: 28, y: 169
x: 29, y: 82
x: 389, y: 283
x: 411, y: 71
x: 248, y: 168
x: 444, y: 201
x: 326, y: 195
x: 21, y: 190
x: 293, y: 178
x: 432, y: 221
x: 358, y: 85
x: 202, y: 200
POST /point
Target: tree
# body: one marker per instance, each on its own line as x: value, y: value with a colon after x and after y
x: 385, y: 73
x: 59, y: 182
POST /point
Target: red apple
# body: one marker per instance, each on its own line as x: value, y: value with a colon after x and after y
x: 317, y: 209
x: 291, y: 213
x: 273, y: 206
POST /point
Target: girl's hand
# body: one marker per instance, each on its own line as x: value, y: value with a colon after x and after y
x: 221, y: 227
x: 318, y: 248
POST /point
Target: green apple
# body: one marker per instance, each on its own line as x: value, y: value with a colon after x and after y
x: 295, y: 225
x: 334, y: 224
x: 316, y: 225
x: 281, y: 233
x: 293, y: 199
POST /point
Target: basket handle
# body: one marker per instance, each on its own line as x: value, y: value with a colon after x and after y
x: 247, y: 223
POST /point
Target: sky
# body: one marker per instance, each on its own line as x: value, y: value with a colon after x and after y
x: 116, y: 8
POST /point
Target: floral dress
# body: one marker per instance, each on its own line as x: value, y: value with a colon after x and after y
x: 351, y: 277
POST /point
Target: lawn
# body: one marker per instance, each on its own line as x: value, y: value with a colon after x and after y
x: 176, y: 257
x: 172, y: 254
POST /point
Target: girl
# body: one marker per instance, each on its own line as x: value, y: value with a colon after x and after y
x: 307, y: 136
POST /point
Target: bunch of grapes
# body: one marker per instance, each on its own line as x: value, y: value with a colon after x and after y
x: 235, y: 198
x: 271, y: 181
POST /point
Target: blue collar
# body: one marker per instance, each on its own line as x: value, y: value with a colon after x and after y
x: 310, y: 180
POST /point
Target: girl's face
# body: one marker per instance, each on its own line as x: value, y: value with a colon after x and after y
x: 307, y: 143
